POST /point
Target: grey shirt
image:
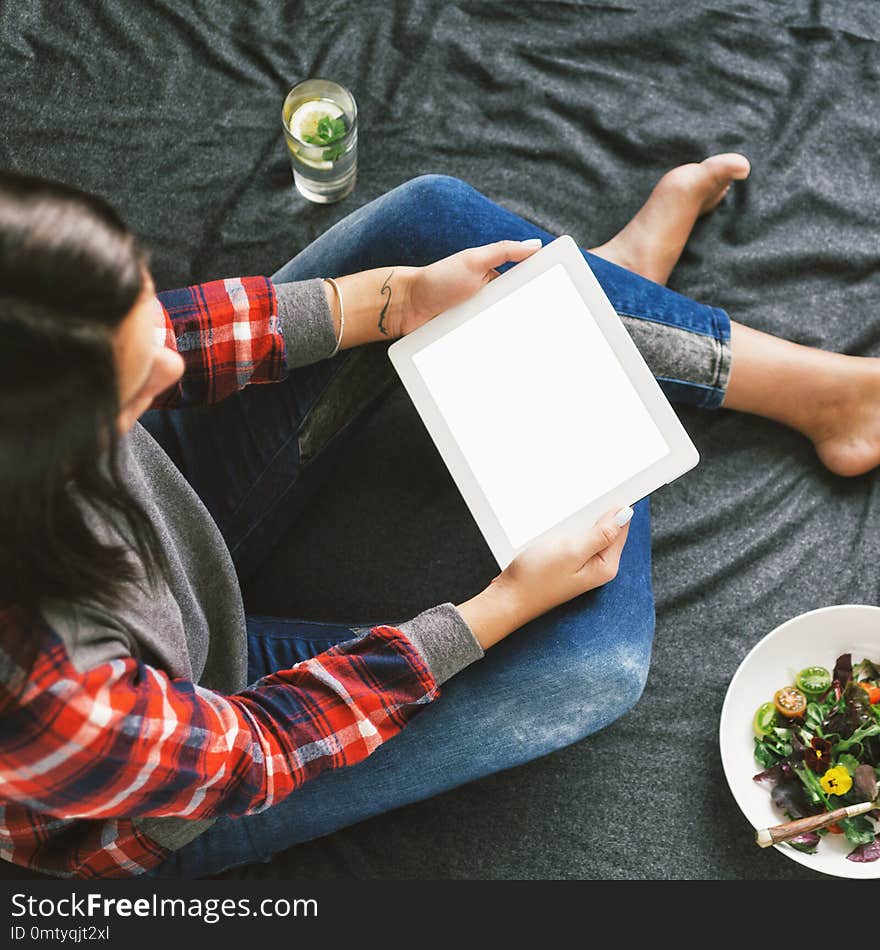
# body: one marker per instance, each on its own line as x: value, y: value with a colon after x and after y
x: 194, y: 626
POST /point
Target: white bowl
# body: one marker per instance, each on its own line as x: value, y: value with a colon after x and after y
x: 816, y: 638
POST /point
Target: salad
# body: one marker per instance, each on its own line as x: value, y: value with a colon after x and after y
x: 818, y: 742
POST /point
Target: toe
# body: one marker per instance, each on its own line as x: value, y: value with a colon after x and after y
x: 727, y: 166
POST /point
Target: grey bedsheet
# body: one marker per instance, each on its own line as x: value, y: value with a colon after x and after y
x: 566, y: 113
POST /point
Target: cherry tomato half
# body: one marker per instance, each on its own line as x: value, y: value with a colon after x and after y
x: 790, y: 702
x: 765, y: 720
x: 813, y: 680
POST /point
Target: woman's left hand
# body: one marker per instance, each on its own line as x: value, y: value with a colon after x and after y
x: 437, y: 287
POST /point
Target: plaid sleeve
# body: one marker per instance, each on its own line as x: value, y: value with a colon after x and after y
x: 124, y: 740
x: 229, y: 335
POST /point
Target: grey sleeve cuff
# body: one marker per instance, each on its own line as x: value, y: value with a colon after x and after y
x: 306, y: 322
x: 444, y: 639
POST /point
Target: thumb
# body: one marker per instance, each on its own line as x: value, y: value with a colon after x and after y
x: 604, y: 533
x: 500, y: 252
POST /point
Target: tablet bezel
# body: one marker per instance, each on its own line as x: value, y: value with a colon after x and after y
x: 682, y: 455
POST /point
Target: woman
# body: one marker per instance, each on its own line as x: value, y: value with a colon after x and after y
x: 148, y: 724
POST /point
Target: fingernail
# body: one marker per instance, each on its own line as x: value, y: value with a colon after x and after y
x: 623, y: 516
x: 531, y: 242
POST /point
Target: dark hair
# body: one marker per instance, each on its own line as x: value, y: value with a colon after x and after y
x: 70, y: 272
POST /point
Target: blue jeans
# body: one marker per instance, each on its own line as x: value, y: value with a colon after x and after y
x: 256, y: 458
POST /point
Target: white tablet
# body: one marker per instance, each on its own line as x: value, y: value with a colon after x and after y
x: 539, y: 402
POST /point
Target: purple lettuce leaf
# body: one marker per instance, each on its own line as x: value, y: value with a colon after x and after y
x: 788, y: 796
x: 858, y: 706
x: 865, y: 853
x: 865, y: 783
x: 807, y: 842
x: 786, y: 790
x: 843, y: 669
x: 770, y: 777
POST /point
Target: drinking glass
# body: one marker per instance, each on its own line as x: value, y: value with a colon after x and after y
x: 319, y: 119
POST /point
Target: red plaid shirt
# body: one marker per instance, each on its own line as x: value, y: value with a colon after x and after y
x: 82, y: 754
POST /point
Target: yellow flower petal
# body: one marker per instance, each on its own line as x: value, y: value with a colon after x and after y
x: 836, y: 781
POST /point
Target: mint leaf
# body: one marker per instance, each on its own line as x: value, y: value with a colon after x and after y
x: 329, y: 131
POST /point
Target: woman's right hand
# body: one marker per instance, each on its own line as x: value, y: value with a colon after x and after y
x: 549, y: 572
x: 553, y: 570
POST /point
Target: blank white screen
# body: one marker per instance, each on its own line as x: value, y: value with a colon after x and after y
x: 539, y: 404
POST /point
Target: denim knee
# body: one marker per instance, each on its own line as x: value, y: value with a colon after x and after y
x: 611, y: 683
x: 633, y: 659
x: 595, y: 668
x: 433, y: 190
x: 579, y: 696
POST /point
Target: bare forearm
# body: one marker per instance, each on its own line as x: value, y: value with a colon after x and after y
x: 375, y: 302
x: 494, y: 613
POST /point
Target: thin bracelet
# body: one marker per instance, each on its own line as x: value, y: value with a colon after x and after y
x: 341, y: 315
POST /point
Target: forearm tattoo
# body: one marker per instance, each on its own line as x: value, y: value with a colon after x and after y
x: 383, y: 314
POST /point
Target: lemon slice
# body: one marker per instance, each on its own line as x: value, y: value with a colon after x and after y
x: 304, y: 122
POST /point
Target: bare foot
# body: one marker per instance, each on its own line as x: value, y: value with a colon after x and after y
x: 845, y: 424
x: 652, y: 242
x: 832, y: 398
